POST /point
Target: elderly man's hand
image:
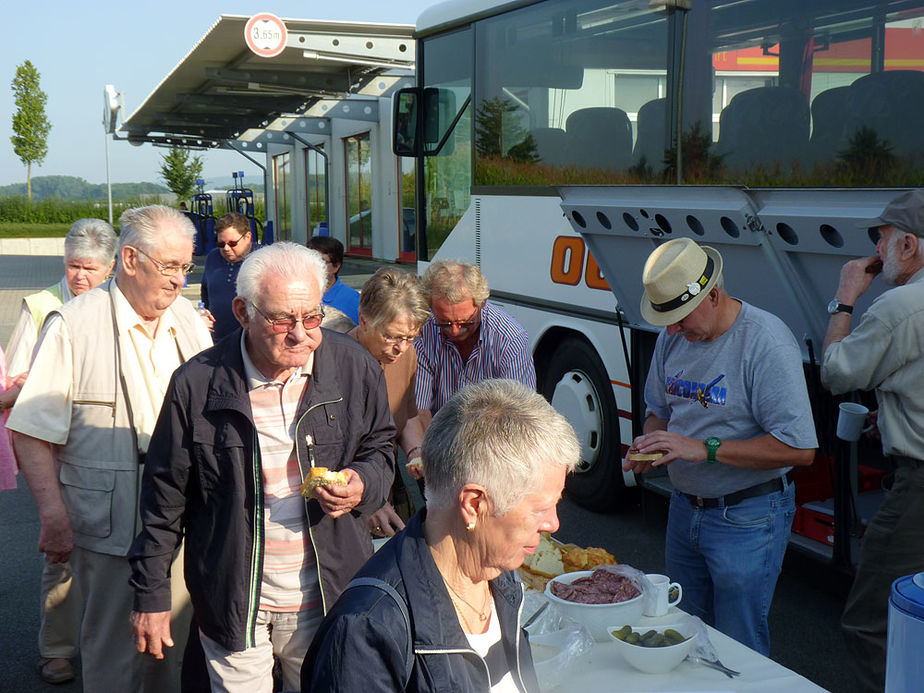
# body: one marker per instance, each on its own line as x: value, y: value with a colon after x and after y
x: 339, y: 500
x: 151, y: 632
x: 56, y: 538
x: 856, y: 277
x: 384, y: 522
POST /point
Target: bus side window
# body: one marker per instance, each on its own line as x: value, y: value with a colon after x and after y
x: 600, y: 137
x: 764, y: 127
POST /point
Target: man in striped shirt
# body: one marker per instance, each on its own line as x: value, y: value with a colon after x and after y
x: 467, y: 339
x: 242, y: 426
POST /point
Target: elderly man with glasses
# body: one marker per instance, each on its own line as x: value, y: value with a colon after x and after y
x: 234, y: 241
x: 83, y: 423
x: 243, y: 425
x: 467, y: 339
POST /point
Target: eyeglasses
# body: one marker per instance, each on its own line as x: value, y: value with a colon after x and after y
x: 401, y: 339
x: 231, y: 244
x: 288, y: 322
x: 168, y: 270
x: 469, y: 322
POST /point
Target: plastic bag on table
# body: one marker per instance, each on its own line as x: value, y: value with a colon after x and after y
x: 557, y: 642
x: 703, y: 652
x: 703, y: 649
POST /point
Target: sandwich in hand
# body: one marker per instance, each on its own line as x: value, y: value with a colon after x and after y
x: 322, y: 476
x: 645, y: 457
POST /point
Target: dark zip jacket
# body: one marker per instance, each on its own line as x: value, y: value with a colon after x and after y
x: 362, y: 643
x: 203, y: 477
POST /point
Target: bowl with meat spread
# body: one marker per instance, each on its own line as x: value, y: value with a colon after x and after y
x: 596, y: 599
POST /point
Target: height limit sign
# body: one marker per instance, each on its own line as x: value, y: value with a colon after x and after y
x: 265, y: 34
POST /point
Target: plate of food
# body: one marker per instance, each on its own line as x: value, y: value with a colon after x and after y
x: 552, y: 558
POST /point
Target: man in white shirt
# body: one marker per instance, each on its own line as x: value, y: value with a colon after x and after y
x: 83, y: 421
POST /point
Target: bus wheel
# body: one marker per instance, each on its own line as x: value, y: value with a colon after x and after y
x: 578, y: 387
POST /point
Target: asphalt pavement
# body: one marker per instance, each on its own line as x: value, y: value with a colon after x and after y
x: 805, y: 635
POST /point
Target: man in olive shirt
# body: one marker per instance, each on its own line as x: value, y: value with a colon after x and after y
x: 885, y: 352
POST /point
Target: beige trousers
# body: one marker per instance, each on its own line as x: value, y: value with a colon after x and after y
x: 62, y: 606
x: 110, y: 661
x: 282, y: 636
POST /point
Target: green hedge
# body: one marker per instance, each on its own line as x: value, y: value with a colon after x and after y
x: 21, y: 210
x: 17, y: 210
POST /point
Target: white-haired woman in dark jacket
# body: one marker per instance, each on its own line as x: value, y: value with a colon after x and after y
x: 448, y: 614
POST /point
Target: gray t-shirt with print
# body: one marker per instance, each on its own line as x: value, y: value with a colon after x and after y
x: 742, y: 385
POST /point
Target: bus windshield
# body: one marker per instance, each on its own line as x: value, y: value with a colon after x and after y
x: 756, y: 92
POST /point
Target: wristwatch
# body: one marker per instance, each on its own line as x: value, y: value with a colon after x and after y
x: 712, y: 447
x: 837, y: 307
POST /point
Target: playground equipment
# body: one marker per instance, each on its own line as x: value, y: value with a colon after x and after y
x: 203, y: 219
x: 240, y: 200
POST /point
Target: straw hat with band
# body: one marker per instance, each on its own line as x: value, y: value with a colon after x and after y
x: 678, y: 275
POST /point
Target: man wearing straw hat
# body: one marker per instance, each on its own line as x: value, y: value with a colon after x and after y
x: 885, y: 352
x: 728, y: 412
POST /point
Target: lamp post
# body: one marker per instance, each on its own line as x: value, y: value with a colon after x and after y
x: 111, y: 108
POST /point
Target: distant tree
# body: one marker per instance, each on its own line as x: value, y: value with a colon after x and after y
x: 30, y: 125
x: 867, y: 158
x: 179, y: 172
x: 497, y: 122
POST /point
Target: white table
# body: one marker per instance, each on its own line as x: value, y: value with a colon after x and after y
x: 604, y: 670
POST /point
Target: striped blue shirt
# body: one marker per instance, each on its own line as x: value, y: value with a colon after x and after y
x: 502, y: 351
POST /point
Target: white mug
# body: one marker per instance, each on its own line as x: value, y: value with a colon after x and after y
x: 658, y: 600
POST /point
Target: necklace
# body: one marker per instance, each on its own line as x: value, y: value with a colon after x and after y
x: 483, y: 613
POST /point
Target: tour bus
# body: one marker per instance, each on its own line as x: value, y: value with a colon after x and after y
x: 557, y: 142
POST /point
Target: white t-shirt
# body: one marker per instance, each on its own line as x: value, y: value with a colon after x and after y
x: 489, y: 647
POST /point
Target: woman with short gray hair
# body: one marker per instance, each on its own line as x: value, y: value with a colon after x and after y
x: 392, y: 309
x: 495, y: 459
x: 89, y: 248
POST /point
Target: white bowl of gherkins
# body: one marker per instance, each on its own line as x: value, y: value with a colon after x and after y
x: 657, y: 649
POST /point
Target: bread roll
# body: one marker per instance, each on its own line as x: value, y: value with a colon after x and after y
x: 322, y: 476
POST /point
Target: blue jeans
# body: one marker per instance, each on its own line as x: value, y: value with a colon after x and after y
x: 728, y: 559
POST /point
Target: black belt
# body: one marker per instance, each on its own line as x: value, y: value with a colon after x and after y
x: 905, y: 461
x: 763, y: 489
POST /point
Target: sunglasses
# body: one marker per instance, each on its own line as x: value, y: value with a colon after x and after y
x: 469, y: 322
x: 230, y: 244
x: 287, y: 323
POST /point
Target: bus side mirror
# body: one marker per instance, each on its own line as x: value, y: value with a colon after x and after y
x: 439, y: 114
x: 404, y: 141
x: 434, y: 111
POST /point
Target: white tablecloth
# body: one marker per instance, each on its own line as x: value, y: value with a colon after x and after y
x: 604, y: 670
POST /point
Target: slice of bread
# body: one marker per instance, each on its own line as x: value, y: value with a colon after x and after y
x: 649, y: 457
x: 322, y: 476
x: 546, y: 561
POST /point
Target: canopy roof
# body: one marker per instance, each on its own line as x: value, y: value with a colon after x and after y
x: 221, y: 89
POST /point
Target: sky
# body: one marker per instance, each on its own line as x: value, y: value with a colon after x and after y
x: 78, y: 48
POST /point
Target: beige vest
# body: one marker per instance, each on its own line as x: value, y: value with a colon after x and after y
x: 99, y: 466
